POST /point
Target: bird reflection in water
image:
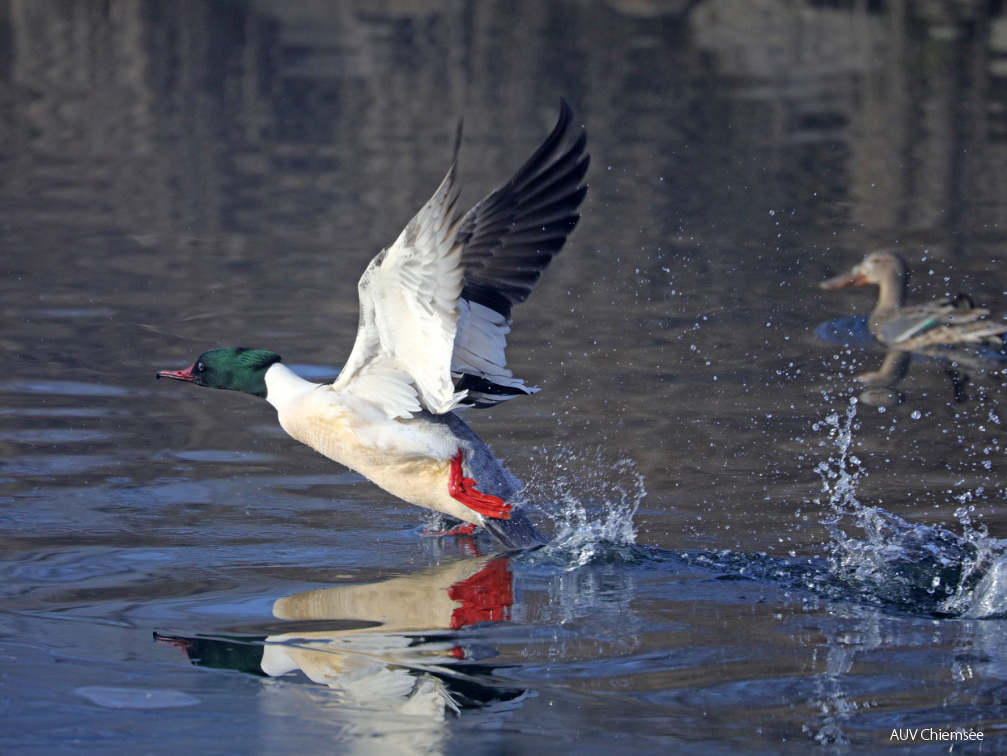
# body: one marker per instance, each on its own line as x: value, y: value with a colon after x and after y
x: 388, y: 647
x: 952, y: 331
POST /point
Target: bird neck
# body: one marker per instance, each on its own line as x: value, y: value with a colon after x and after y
x: 284, y: 386
x: 891, y: 292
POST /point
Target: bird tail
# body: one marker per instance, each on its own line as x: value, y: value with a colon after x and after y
x: 517, y: 532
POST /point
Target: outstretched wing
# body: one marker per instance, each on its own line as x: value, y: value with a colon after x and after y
x: 435, y: 306
x: 409, y: 313
x: 507, y: 241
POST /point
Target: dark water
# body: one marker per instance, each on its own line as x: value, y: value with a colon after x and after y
x: 177, y: 574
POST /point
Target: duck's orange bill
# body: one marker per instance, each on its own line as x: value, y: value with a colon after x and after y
x: 846, y: 279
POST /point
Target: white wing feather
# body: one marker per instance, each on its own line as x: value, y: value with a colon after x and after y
x: 437, y: 302
x: 401, y: 360
x: 481, y: 344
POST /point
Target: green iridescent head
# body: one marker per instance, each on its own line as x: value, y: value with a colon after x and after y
x: 232, y: 368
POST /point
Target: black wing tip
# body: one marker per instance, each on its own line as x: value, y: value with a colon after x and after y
x: 564, y: 127
x: 562, y: 131
x: 565, y: 113
x: 459, y: 131
x: 482, y: 393
x: 555, y: 148
x: 512, y: 236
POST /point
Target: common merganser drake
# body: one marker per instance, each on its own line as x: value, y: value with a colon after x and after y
x: 941, y: 322
x: 435, y: 310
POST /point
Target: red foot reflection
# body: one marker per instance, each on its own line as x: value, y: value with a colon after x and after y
x: 487, y: 596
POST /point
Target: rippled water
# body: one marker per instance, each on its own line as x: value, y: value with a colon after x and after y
x: 754, y: 552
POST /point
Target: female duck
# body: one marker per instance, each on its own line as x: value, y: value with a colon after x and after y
x: 944, y: 321
x: 435, y: 310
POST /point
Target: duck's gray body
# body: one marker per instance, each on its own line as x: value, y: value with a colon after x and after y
x: 518, y: 532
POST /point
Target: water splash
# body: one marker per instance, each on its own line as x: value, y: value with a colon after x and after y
x: 840, y: 472
x: 884, y: 559
x: 591, y: 500
x: 981, y: 591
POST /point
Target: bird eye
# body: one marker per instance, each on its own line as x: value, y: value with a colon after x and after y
x: 200, y: 367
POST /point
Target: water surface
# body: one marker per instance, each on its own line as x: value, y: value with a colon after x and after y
x: 802, y: 571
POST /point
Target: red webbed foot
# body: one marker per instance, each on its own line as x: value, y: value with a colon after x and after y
x: 466, y: 528
x: 464, y: 490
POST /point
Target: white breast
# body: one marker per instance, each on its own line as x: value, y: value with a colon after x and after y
x: 408, y: 458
